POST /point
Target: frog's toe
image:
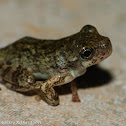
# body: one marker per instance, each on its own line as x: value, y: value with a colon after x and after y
x: 75, y: 98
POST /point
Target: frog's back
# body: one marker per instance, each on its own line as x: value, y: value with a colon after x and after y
x: 25, y: 46
x: 23, y: 43
x: 32, y: 53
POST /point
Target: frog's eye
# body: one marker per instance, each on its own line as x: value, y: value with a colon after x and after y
x: 86, y: 53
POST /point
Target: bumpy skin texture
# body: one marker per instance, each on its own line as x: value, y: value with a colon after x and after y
x: 31, y: 63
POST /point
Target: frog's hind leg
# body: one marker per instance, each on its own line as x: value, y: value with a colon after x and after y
x: 18, y: 78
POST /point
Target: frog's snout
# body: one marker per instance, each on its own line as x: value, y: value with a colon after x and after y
x: 105, y: 48
x: 108, y: 46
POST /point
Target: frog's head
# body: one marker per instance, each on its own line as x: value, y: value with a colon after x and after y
x: 93, y: 48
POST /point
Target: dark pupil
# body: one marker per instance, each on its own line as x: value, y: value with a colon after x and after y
x: 87, y: 53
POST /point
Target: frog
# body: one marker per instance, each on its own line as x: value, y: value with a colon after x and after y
x: 31, y: 63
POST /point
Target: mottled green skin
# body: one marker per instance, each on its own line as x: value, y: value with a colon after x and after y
x: 42, y: 56
x: 44, y: 59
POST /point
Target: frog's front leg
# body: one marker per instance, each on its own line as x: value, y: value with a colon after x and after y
x: 50, y: 94
x: 75, y: 97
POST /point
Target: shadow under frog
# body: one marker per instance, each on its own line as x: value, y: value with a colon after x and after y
x: 94, y: 77
x: 35, y: 64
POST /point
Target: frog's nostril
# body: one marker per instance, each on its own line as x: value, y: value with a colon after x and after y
x: 103, y: 45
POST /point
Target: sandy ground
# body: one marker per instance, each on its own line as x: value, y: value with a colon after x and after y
x: 102, y: 90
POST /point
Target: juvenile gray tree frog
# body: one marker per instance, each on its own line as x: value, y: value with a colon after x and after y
x: 31, y: 63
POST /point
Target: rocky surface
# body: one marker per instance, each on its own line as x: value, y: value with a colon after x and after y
x: 102, y: 90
